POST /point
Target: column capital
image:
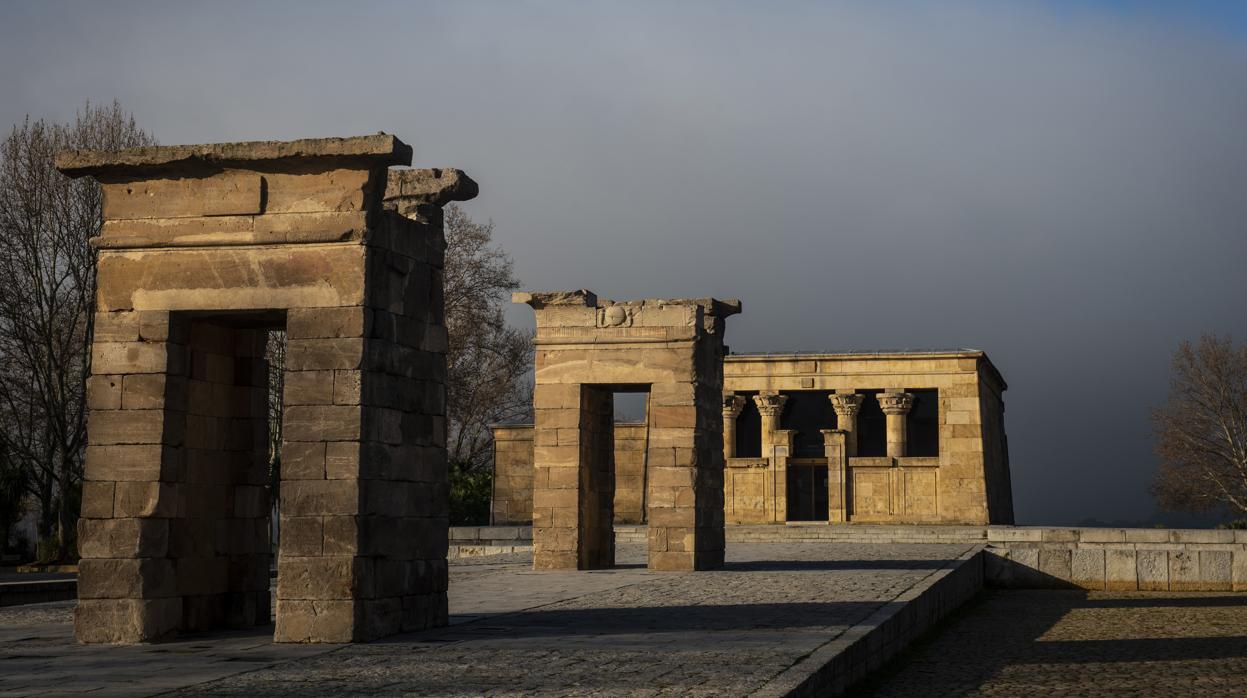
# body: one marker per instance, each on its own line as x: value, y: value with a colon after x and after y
x: 733, y: 404
x: 896, y: 403
x: 770, y: 405
x: 846, y: 405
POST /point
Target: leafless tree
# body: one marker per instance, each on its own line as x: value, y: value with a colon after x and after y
x: 488, y: 362
x: 47, y: 293
x: 1201, y: 433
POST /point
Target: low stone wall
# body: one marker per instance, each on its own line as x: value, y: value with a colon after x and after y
x: 1117, y: 559
x: 1113, y: 559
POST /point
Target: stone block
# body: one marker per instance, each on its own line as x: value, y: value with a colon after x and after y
x: 1153, y: 567
x: 130, y: 357
x: 97, y: 499
x: 1087, y: 568
x: 126, y: 578
x: 315, y: 621
x: 320, y: 577
x: 1239, y: 571
x: 322, y: 423
x: 320, y: 497
x: 1055, y: 565
x: 147, y: 391
x: 1216, y: 570
x: 324, y: 354
x: 308, y: 388
x: 1184, y: 570
x: 105, y: 538
x: 1121, y: 570
x: 303, y: 460
x: 119, y: 427
x: 322, y: 323
x: 104, y: 392
x: 126, y: 621
x: 145, y: 499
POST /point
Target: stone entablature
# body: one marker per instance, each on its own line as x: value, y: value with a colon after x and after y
x: 965, y: 481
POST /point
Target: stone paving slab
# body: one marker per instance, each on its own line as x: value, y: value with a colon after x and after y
x: 1078, y: 643
x: 626, y: 631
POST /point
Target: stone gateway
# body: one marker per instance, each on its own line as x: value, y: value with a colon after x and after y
x: 205, y: 249
x: 589, y: 349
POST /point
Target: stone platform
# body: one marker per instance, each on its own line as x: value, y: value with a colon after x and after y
x: 778, y: 619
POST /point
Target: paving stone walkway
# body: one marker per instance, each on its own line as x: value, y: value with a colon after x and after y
x: 626, y: 631
x: 1072, y: 643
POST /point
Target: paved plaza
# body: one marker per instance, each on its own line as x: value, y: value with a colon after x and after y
x: 1074, y: 643
x: 515, y: 631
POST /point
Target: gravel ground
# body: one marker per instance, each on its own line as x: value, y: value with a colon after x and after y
x: 1074, y: 643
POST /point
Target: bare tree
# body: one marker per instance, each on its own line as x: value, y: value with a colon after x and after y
x: 488, y: 361
x: 47, y: 295
x: 1201, y: 433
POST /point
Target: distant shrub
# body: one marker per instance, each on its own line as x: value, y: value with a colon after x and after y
x: 470, y: 492
x: 1237, y: 524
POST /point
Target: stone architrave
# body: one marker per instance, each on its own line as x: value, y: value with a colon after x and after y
x: 588, y: 349
x: 896, y: 406
x: 203, y: 250
x: 732, y: 406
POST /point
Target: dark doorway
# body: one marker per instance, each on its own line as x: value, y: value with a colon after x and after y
x: 872, y: 426
x: 807, y: 491
x: 922, y: 428
x: 806, y: 413
x: 749, y: 429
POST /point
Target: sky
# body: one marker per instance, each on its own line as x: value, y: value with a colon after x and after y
x: 1061, y: 184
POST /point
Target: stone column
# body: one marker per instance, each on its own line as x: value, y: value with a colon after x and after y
x: 847, y: 405
x: 896, y: 406
x: 835, y: 445
x: 770, y: 407
x: 732, y: 406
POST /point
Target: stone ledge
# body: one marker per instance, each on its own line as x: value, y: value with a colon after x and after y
x: 381, y: 149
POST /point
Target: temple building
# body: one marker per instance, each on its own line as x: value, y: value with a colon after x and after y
x: 895, y: 437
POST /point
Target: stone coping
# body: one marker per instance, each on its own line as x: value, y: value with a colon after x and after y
x: 381, y: 149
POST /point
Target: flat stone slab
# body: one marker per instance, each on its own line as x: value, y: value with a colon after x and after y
x: 515, y: 631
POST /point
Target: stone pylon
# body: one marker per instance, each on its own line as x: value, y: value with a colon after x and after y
x: 204, y: 250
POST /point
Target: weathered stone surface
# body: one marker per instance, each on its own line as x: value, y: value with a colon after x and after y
x: 379, y: 150
x: 204, y: 249
x: 586, y: 349
x: 966, y: 481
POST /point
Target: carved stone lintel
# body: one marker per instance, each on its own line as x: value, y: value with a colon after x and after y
x: 732, y: 405
x: 846, y: 406
x: 896, y: 403
x: 770, y: 405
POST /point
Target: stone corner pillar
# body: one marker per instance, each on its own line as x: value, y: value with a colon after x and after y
x: 896, y: 406
x: 835, y: 446
x: 732, y: 406
x: 846, y: 406
x: 777, y: 456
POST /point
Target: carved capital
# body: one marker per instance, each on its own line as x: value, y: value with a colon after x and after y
x: 770, y: 405
x: 896, y: 403
x: 732, y: 405
x: 846, y: 406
